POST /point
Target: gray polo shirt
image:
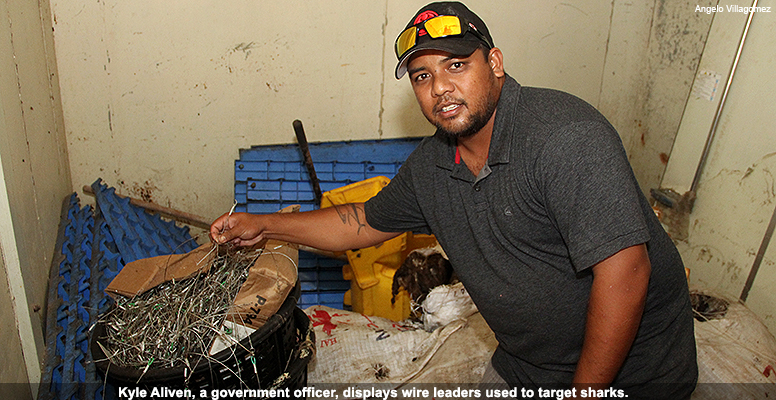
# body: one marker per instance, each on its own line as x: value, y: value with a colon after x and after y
x: 557, y: 196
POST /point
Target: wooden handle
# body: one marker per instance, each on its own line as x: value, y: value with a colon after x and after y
x: 186, y: 218
x: 308, y: 159
x: 202, y: 222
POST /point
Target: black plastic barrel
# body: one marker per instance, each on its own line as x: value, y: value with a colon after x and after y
x: 280, y: 351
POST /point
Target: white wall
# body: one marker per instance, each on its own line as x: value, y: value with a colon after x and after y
x: 736, y: 195
x: 676, y: 42
x: 20, y: 356
x: 159, y: 96
x: 34, y: 180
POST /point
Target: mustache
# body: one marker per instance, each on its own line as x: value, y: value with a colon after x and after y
x: 445, y: 101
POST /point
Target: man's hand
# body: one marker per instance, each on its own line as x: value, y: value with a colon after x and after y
x: 240, y: 229
x: 613, y: 316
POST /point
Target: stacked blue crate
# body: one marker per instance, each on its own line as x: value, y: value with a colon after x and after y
x: 68, y: 372
x: 86, y: 260
x: 321, y: 281
x: 269, y: 178
x: 138, y: 233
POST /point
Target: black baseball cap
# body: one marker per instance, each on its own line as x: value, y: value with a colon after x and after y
x: 476, y: 33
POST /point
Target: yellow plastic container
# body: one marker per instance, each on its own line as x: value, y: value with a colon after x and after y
x: 357, y: 192
x: 371, y: 270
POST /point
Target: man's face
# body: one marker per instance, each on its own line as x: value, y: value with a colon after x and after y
x: 457, y: 94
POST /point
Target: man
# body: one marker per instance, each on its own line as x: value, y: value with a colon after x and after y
x: 531, y: 195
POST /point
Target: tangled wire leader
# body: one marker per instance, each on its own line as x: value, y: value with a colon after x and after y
x: 174, y: 324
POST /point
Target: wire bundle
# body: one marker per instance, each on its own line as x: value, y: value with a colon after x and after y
x: 175, y: 323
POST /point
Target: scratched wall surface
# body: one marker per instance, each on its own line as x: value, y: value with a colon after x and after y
x: 736, y: 195
x: 159, y: 96
x: 677, y: 38
x: 35, y: 171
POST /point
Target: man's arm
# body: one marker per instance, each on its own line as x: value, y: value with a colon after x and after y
x: 614, y: 311
x: 337, y: 228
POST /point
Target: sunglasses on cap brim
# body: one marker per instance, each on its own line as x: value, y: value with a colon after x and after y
x: 438, y: 27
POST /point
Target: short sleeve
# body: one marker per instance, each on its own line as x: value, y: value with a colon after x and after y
x: 590, y: 192
x: 395, y: 208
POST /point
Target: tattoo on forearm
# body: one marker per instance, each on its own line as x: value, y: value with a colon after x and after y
x: 349, y: 214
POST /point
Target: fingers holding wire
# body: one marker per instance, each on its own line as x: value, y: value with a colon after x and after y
x: 219, y: 227
x: 239, y: 229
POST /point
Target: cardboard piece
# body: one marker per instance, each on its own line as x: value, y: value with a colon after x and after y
x: 269, y: 282
x: 141, y: 275
x: 270, y: 278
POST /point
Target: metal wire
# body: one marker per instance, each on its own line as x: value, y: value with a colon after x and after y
x: 174, y: 323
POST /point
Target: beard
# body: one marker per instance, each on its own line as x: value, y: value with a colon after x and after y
x: 479, y: 117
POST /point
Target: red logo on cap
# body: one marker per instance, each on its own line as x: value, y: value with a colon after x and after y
x: 425, y: 15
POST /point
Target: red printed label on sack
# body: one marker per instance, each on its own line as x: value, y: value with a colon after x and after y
x: 321, y: 317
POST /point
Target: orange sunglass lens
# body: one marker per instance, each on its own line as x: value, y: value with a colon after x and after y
x: 445, y: 25
x: 406, y: 41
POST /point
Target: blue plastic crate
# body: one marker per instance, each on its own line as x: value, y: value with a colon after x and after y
x: 270, y: 178
x: 329, y: 299
x: 86, y: 259
x: 138, y: 233
x: 322, y: 279
x: 68, y: 372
